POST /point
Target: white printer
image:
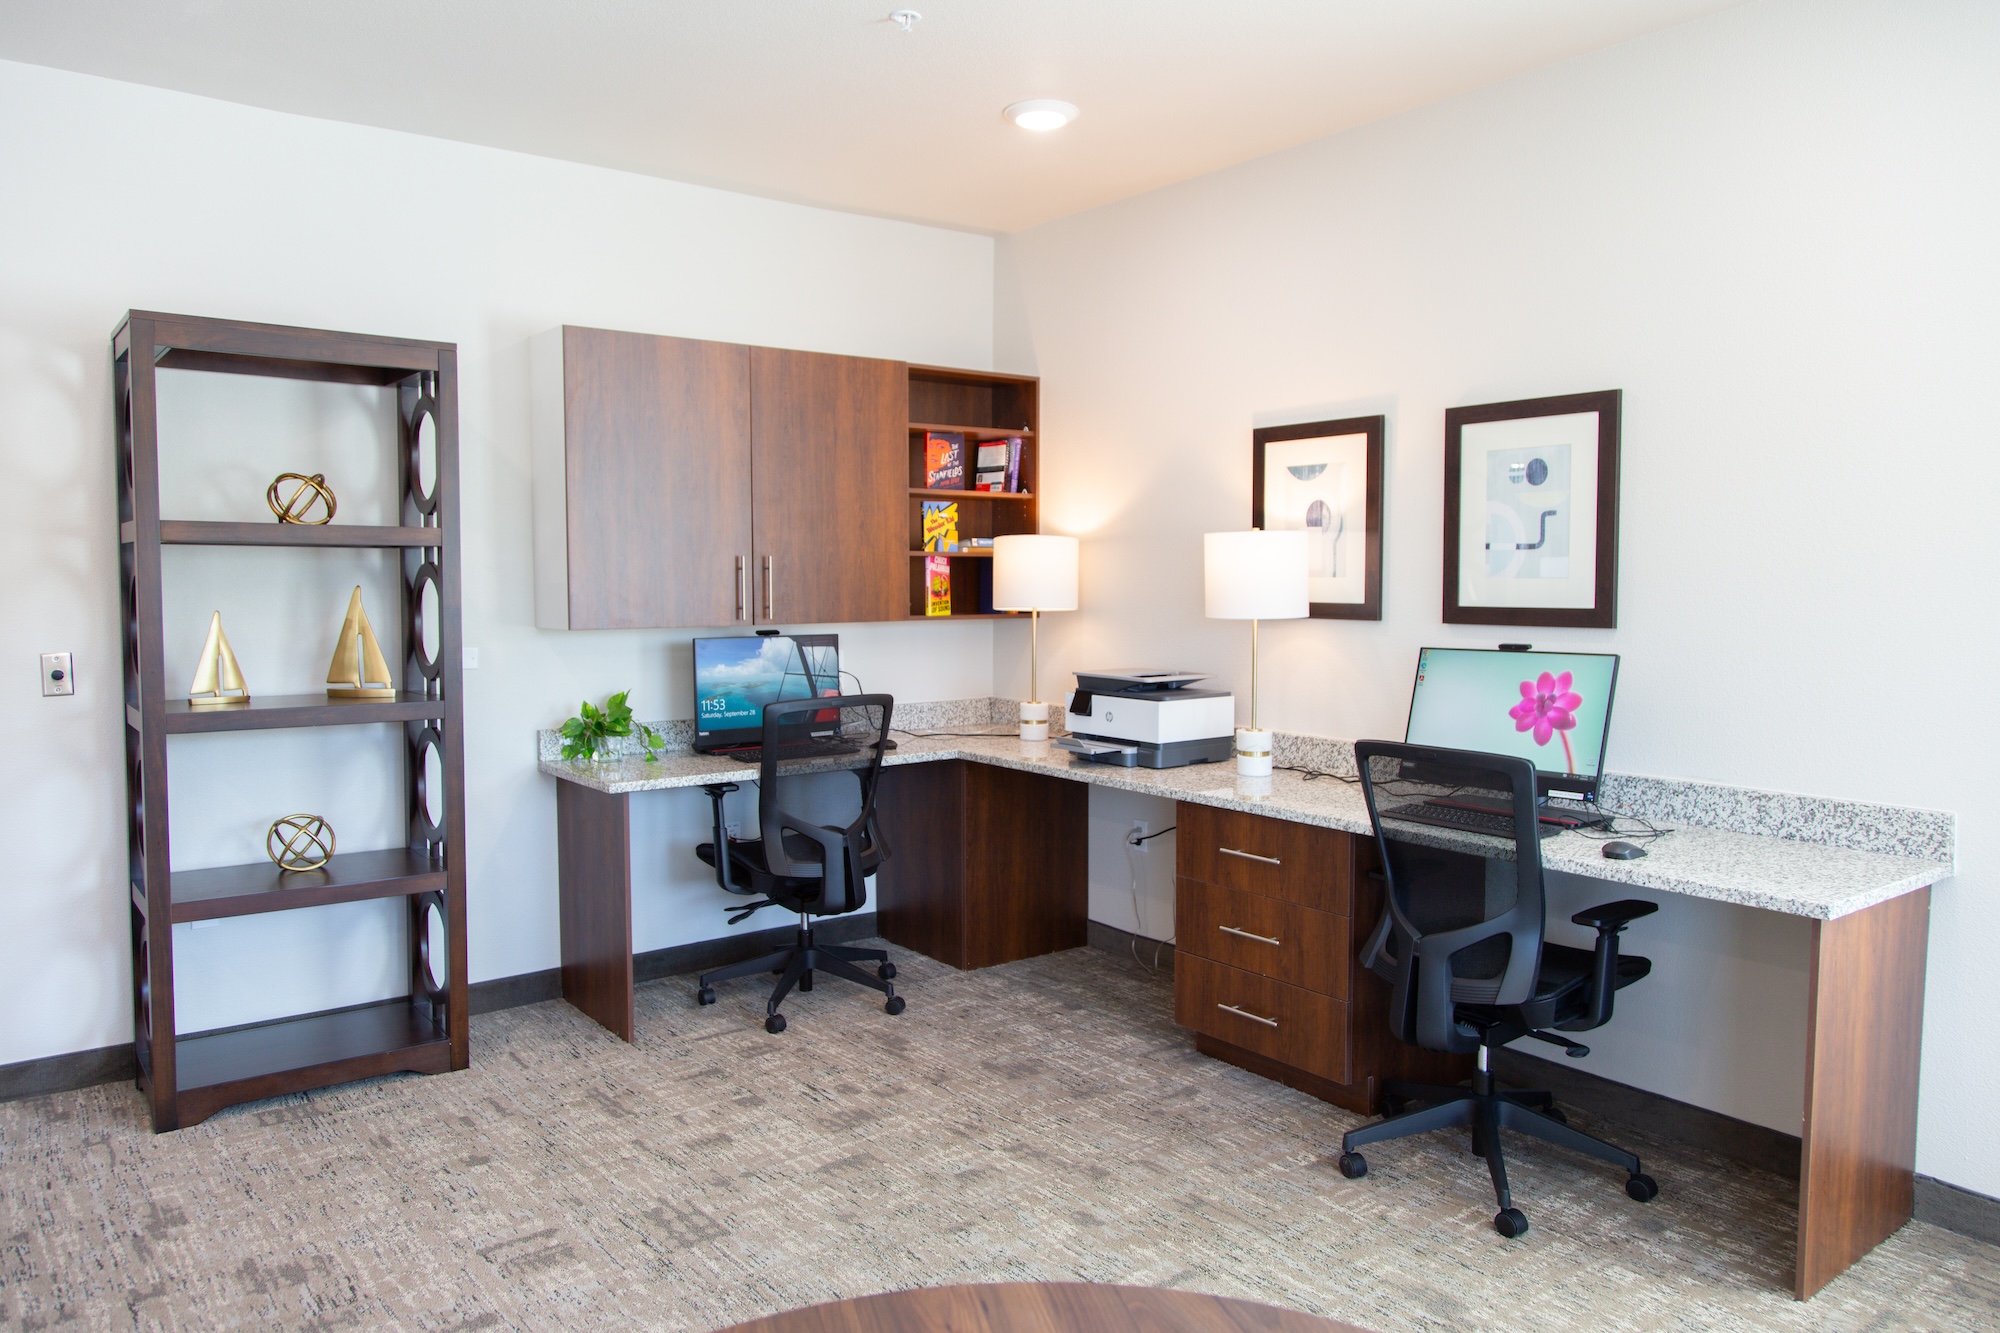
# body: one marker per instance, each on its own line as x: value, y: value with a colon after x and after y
x: 1147, y: 718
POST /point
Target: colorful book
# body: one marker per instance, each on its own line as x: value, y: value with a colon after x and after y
x: 1014, y: 463
x: 944, y: 460
x: 937, y: 586
x: 940, y: 525
x: 992, y: 473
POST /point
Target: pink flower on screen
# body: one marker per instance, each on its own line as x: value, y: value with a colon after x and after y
x: 1548, y: 708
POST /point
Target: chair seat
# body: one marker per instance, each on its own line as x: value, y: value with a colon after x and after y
x: 750, y: 854
x: 1565, y: 969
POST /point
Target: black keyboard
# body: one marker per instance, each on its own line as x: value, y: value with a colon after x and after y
x: 1469, y: 819
x: 754, y: 754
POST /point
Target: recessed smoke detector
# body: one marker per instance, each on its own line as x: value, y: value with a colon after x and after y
x: 1041, y: 114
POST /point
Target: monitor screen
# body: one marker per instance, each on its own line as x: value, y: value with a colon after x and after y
x: 734, y: 678
x: 1552, y: 709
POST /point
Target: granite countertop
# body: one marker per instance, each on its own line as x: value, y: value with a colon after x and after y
x: 1775, y: 873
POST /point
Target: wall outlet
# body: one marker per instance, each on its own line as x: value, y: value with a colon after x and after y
x: 1136, y: 835
x: 58, y: 675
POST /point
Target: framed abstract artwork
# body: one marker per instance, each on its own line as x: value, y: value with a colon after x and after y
x: 1325, y: 478
x: 1531, y: 512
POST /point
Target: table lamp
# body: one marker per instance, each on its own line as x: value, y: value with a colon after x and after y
x: 1254, y: 576
x: 1034, y: 573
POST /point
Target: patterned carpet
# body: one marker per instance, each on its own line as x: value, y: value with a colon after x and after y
x: 1039, y: 1121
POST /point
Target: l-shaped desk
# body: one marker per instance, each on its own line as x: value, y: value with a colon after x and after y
x: 1025, y: 827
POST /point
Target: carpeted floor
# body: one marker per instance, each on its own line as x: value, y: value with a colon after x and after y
x: 1040, y: 1121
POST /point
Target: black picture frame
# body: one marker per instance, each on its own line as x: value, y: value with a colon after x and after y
x: 1602, y: 613
x: 1375, y: 428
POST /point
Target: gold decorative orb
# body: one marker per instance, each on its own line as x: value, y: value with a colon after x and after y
x: 299, y: 842
x: 298, y: 507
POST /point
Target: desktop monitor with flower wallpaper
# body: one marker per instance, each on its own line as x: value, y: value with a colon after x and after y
x: 1552, y: 709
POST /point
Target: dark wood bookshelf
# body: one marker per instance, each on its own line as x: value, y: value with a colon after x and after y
x: 981, y: 405
x: 186, y: 1079
x: 267, y: 712
x: 350, y: 877
x: 184, y: 532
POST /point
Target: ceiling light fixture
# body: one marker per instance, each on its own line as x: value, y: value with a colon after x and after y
x: 906, y: 19
x: 1041, y: 114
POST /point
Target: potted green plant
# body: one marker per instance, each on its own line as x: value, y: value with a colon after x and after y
x: 589, y: 735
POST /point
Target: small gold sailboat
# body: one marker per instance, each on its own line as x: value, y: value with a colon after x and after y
x: 218, y: 681
x: 359, y: 670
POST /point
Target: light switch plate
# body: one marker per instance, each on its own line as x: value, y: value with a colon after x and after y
x: 58, y: 676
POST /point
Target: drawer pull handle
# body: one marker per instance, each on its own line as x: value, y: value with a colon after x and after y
x: 1250, y: 856
x: 1261, y: 939
x: 1245, y: 1013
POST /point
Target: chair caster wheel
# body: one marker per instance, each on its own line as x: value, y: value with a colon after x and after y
x: 887, y: 971
x: 893, y: 1005
x: 1353, y: 1165
x: 1511, y: 1222
x: 1643, y: 1187
x: 1555, y: 1113
x: 706, y: 995
x: 775, y: 1023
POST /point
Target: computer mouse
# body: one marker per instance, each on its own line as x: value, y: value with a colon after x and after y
x: 1623, y: 851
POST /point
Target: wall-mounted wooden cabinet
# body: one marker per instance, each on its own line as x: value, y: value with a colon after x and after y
x: 687, y: 484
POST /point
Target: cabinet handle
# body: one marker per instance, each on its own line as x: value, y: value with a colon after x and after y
x: 767, y: 587
x: 1245, y: 1013
x: 1250, y: 856
x: 741, y: 593
x: 1261, y: 939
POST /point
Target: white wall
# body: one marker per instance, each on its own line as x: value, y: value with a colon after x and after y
x: 1774, y: 230
x: 114, y: 196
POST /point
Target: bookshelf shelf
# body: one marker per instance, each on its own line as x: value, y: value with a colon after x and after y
x: 187, y: 532
x: 929, y: 494
x: 974, y: 432
x: 955, y: 555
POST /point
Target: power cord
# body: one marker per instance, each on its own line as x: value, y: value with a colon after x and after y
x: 1132, y: 881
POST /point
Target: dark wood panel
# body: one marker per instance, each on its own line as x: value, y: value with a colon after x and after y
x: 1857, y: 1172
x: 1268, y: 936
x: 314, y: 1051
x: 203, y: 895
x: 1043, y: 1307
x: 1293, y: 1026
x: 168, y: 334
x: 266, y: 711
x: 827, y: 446
x: 920, y: 889
x: 657, y: 441
x: 594, y: 887
x: 1274, y: 857
x: 183, y: 532
x: 1363, y: 1094
x: 979, y: 399
x: 1027, y: 864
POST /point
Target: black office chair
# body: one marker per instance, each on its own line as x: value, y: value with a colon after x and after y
x: 813, y: 869
x: 1460, y: 943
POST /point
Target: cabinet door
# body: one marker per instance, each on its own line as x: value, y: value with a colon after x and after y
x: 656, y: 435
x: 828, y: 448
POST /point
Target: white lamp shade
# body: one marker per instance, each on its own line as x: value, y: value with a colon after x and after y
x: 1255, y: 575
x: 1037, y: 573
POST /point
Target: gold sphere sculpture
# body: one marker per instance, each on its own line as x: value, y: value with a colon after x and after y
x: 299, y: 842
x: 298, y: 506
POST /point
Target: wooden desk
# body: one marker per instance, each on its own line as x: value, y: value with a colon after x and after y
x: 1042, y: 1307
x: 1017, y: 844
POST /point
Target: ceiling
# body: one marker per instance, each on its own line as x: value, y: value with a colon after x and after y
x: 827, y: 101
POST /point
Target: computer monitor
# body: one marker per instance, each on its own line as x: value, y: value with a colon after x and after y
x: 734, y: 678
x: 1553, y: 709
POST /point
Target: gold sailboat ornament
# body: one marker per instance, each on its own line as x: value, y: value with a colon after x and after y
x: 218, y: 681
x: 359, y: 670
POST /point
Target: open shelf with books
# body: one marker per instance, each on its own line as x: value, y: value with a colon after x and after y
x: 974, y: 462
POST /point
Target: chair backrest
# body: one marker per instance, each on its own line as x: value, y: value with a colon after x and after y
x: 1463, y: 911
x: 848, y: 854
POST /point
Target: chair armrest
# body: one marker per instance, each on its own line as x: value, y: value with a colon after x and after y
x: 1615, y: 916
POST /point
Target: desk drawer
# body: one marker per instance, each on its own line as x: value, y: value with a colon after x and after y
x: 1268, y: 936
x: 1273, y: 857
x: 1298, y: 1027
